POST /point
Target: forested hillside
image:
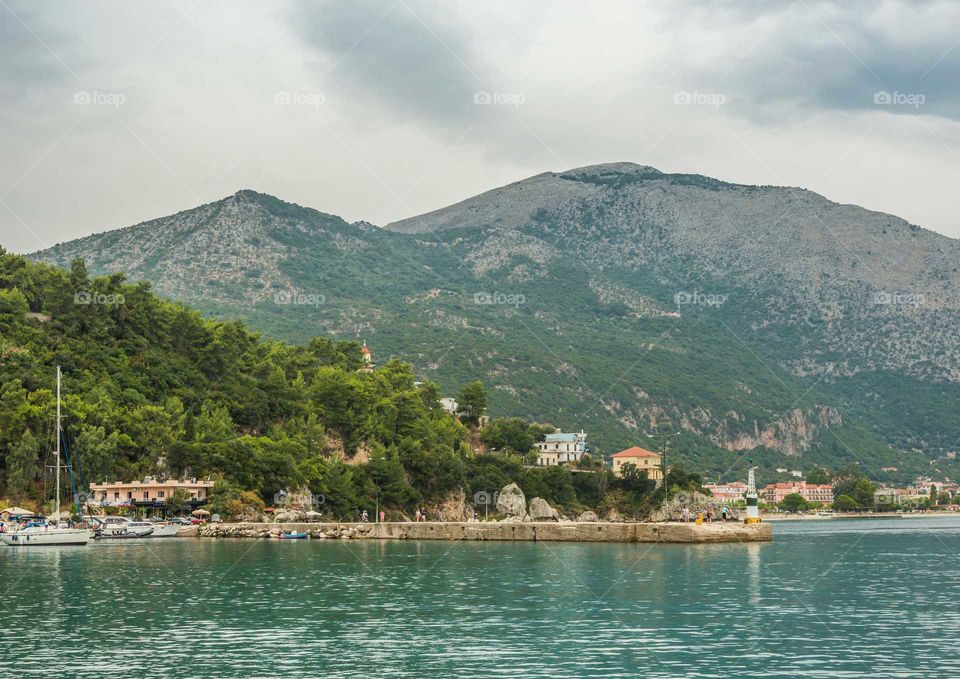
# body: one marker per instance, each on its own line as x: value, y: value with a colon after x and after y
x: 151, y: 387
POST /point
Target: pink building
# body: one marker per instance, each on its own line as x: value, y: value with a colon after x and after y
x: 727, y: 491
x: 811, y: 492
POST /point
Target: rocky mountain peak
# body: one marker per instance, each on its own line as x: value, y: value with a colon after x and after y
x: 609, y: 169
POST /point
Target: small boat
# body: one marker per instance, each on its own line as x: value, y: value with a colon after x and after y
x: 289, y: 535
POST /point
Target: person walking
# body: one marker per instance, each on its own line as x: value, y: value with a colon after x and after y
x: 686, y: 515
x: 416, y: 517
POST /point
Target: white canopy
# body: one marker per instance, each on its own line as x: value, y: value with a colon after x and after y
x: 15, y: 511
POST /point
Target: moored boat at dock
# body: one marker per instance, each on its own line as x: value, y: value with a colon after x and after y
x: 42, y: 532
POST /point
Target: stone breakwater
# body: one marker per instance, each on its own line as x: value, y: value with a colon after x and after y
x: 679, y: 533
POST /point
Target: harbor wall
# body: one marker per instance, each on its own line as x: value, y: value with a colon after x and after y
x: 678, y: 533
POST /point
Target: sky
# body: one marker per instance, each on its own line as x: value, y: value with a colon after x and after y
x: 113, y: 113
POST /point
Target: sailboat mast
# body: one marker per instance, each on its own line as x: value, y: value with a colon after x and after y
x: 57, y: 468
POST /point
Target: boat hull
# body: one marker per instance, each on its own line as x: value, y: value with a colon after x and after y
x: 123, y: 534
x: 53, y: 536
x: 165, y: 530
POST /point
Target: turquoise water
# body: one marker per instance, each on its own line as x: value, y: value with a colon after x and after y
x: 827, y: 598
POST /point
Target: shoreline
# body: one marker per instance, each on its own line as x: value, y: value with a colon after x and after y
x: 665, y: 533
x: 862, y: 515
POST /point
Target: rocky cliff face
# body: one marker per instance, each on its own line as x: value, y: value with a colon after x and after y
x: 881, y: 292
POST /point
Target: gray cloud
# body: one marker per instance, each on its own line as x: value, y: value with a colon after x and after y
x: 34, y: 55
x: 398, y: 131
x: 413, y: 61
x: 794, y: 59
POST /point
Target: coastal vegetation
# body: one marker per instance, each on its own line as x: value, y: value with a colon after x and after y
x: 151, y: 387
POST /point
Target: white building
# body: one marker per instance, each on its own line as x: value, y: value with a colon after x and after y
x: 450, y: 405
x: 561, y: 448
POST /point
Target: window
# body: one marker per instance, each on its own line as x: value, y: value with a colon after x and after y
x: 161, y: 494
x: 116, y: 495
x: 129, y: 495
x: 146, y: 495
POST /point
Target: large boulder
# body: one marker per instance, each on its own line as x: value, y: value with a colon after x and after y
x: 289, y: 516
x: 511, y: 501
x: 588, y: 517
x: 540, y: 510
x: 454, y: 507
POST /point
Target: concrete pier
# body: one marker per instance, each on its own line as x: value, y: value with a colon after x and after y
x: 679, y: 533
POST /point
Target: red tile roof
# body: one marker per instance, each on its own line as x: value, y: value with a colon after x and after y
x: 636, y: 451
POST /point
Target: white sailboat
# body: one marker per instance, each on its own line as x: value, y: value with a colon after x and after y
x: 41, y: 532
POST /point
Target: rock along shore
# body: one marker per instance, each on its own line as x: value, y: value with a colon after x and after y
x: 680, y: 533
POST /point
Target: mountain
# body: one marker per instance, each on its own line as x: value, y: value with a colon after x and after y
x: 754, y: 320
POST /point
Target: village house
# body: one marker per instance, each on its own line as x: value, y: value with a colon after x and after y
x: 811, y: 492
x: 148, y: 492
x: 367, y: 366
x: 726, y: 492
x: 450, y: 406
x: 644, y: 460
x: 561, y: 448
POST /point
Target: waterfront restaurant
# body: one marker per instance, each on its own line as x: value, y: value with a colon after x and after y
x: 644, y: 460
x: 149, y: 493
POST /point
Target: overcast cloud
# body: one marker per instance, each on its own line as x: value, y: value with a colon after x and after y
x: 117, y: 112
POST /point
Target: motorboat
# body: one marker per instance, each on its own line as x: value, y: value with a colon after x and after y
x: 121, y: 527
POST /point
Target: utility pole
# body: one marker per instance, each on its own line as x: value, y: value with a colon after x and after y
x: 663, y: 461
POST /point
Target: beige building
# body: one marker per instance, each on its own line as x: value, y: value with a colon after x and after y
x: 148, y: 491
x: 644, y: 460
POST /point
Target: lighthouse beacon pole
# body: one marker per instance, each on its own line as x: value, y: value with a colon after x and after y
x: 753, y: 511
